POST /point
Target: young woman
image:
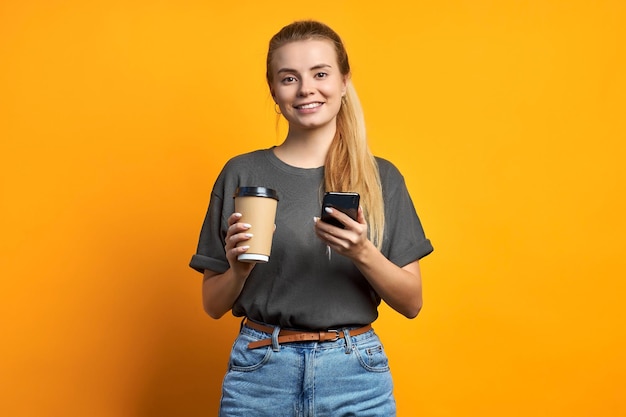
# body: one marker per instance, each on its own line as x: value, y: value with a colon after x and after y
x: 306, y: 345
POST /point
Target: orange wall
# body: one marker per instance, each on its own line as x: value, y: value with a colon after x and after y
x: 507, y: 119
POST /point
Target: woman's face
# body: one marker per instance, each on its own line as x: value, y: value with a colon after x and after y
x: 307, y: 84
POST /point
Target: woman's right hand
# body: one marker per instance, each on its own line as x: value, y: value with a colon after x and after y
x: 220, y: 290
x: 237, y: 232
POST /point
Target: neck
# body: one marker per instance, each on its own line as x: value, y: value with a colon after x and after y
x: 306, y: 148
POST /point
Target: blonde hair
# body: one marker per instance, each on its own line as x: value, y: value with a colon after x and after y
x: 350, y: 165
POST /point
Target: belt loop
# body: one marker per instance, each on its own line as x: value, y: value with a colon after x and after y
x: 275, y: 345
x: 348, y: 339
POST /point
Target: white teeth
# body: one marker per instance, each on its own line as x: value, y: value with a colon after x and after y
x: 310, y: 106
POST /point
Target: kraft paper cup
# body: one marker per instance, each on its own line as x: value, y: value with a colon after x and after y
x: 257, y: 206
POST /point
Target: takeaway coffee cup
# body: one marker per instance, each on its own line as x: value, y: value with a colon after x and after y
x: 257, y: 206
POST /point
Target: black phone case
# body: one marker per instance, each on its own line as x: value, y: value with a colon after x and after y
x: 345, y: 202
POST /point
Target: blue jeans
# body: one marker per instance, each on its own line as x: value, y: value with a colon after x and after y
x: 347, y: 377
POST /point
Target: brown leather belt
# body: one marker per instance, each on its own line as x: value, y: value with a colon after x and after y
x: 291, y: 336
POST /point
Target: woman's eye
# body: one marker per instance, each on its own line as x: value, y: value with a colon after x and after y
x: 287, y: 80
x: 321, y: 75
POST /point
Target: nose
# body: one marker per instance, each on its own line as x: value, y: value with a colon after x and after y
x: 305, y: 88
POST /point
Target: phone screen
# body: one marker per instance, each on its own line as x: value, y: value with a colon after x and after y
x: 345, y: 202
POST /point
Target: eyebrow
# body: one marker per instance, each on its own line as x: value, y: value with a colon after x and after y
x: 315, y: 67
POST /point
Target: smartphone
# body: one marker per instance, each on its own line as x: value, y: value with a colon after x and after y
x: 345, y: 202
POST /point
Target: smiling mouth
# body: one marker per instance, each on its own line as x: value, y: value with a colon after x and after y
x: 308, y: 106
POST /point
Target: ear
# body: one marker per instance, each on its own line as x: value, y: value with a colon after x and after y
x: 344, y: 87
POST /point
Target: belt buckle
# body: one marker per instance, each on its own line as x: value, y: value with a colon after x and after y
x: 336, y: 335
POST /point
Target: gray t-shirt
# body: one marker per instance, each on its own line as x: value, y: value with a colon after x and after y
x: 300, y: 287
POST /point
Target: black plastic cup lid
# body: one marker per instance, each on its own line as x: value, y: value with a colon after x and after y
x: 256, y: 192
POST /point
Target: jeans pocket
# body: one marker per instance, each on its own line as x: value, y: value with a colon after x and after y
x: 243, y: 359
x: 372, y: 357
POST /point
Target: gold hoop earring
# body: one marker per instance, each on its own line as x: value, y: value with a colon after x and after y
x: 277, y: 109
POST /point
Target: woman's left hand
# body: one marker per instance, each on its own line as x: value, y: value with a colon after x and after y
x: 351, y: 240
x: 400, y: 287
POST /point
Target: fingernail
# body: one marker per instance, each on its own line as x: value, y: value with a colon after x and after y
x: 249, y: 235
x: 328, y: 210
x: 237, y: 214
x: 315, y: 219
x: 246, y: 225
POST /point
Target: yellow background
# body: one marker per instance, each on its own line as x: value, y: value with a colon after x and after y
x: 507, y: 119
